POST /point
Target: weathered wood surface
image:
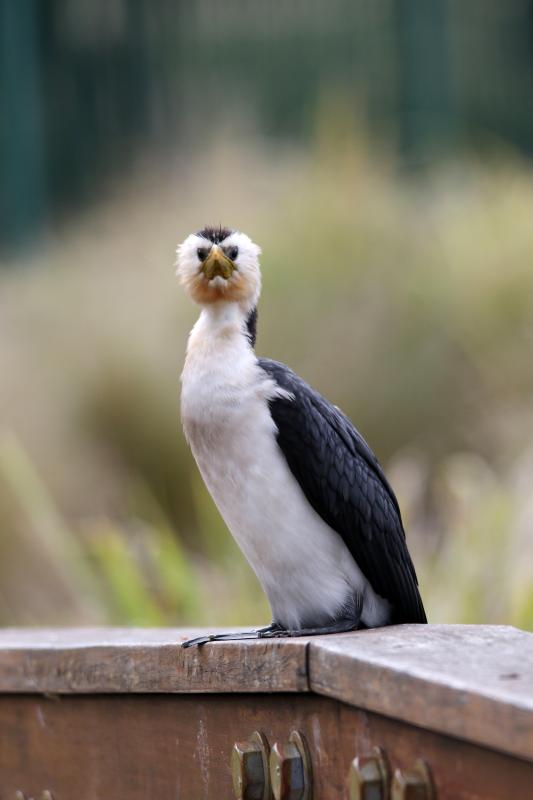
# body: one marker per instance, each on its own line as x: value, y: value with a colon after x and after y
x: 470, y: 682
x: 116, y: 660
x: 145, y: 747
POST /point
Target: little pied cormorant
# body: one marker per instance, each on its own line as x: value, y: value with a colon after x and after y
x: 297, y: 485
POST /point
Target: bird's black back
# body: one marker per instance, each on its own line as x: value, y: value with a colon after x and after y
x: 345, y: 484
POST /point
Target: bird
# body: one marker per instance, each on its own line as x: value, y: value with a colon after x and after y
x: 296, y: 483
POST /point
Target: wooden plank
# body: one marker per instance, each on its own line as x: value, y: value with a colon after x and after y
x: 103, y: 660
x: 470, y: 681
x: 178, y: 746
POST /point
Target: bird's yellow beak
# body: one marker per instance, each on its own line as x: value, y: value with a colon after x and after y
x: 217, y: 263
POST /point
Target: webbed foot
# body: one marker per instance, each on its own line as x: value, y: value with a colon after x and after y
x: 274, y: 631
x: 257, y: 633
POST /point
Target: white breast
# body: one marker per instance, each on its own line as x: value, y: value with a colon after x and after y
x: 303, y: 565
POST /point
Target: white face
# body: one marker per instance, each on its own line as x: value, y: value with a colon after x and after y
x: 223, y: 270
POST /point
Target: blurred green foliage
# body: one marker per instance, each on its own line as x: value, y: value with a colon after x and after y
x: 409, y: 304
x: 85, y: 86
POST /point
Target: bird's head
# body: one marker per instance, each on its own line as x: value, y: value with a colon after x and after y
x: 220, y: 265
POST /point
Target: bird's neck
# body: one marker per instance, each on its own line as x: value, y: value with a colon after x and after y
x: 222, y: 318
x: 219, y: 333
x: 219, y: 365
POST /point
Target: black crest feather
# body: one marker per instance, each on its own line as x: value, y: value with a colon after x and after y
x: 215, y: 233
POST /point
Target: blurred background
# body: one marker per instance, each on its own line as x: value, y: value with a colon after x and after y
x: 380, y: 153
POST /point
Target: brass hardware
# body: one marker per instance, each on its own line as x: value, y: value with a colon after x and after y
x: 368, y: 778
x: 249, y: 768
x: 413, y: 784
x: 290, y: 769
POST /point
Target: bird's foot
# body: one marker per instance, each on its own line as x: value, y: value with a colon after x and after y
x: 257, y: 633
x: 274, y: 631
x: 340, y: 626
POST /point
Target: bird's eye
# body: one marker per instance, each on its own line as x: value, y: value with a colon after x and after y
x: 233, y: 252
x: 202, y: 253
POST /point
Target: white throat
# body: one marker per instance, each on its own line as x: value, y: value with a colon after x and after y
x: 219, y: 375
x: 221, y: 318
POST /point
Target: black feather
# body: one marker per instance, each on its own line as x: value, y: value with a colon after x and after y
x: 215, y: 233
x: 251, y: 326
x: 344, y: 482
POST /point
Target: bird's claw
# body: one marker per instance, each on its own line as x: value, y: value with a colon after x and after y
x: 273, y: 634
x: 268, y: 632
x: 275, y: 631
x: 197, y: 641
x: 220, y: 637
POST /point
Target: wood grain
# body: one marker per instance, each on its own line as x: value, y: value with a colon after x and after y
x: 87, y: 660
x: 177, y: 747
x: 470, y: 681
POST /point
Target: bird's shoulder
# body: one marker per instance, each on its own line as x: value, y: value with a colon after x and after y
x: 307, y: 411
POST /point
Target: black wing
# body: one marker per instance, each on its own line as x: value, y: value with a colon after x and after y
x: 343, y: 481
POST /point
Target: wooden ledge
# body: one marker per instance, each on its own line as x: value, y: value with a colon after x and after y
x: 142, y: 660
x: 473, y: 682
